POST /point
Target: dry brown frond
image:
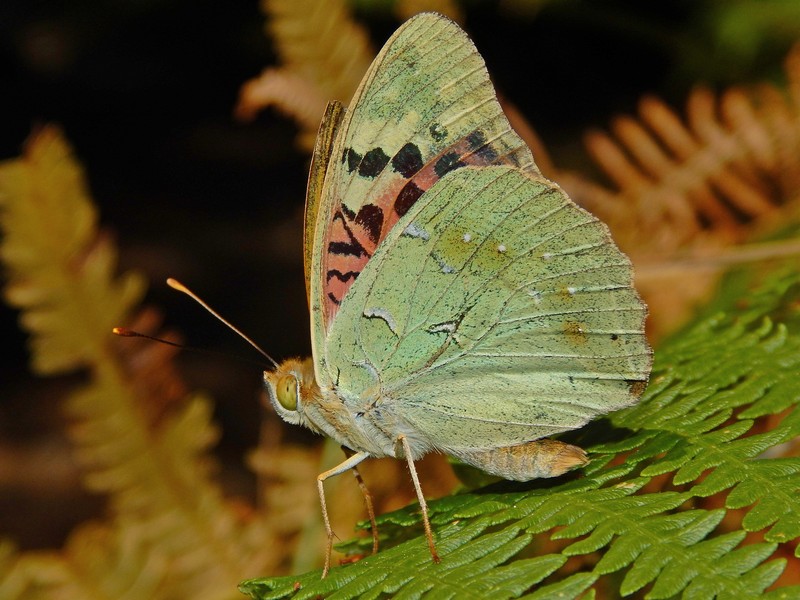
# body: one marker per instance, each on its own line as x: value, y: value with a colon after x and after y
x: 687, y: 188
x: 139, y: 439
x: 323, y: 53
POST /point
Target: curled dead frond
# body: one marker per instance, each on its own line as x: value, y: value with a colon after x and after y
x: 290, y: 93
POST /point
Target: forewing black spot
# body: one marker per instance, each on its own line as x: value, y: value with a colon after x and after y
x: 334, y: 299
x: 344, y: 277
x: 408, y: 160
x: 406, y: 198
x: 476, y: 139
x: 448, y: 162
x: 477, y: 144
x: 438, y: 131
x: 373, y: 163
x: 371, y: 218
x: 352, y: 159
x: 347, y: 248
x: 488, y: 154
x: 351, y: 247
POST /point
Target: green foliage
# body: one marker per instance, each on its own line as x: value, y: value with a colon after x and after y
x: 741, y: 29
x: 684, y: 493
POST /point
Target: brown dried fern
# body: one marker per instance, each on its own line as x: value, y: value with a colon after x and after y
x: 139, y: 439
x: 97, y: 562
x: 323, y: 54
x: 687, y: 189
x: 711, y: 177
x: 50, y: 243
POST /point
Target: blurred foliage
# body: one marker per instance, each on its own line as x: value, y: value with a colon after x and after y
x: 141, y: 102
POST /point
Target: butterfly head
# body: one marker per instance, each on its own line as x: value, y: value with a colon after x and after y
x: 289, y: 387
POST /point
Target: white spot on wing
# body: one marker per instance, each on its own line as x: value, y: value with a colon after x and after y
x: 367, y: 366
x: 446, y: 269
x: 382, y: 313
x: 501, y: 248
x: 413, y: 230
x: 547, y: 255
x: 572, y: 290
x: 467, y: 237
x: 437, y: 129
x: 536, y: 295
x: 446, y: 327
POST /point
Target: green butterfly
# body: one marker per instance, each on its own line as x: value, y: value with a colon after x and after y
x: 460, y: 302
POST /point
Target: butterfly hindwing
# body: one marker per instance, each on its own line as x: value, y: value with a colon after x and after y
x: 497, y: 312
x: 425, y: 108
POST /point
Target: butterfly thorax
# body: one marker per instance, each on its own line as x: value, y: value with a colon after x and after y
x: 298, y: 399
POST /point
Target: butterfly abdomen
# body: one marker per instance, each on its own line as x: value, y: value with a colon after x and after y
x: 538, y: 458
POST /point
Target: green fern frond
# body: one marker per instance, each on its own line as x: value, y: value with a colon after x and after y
x: 722, y: 399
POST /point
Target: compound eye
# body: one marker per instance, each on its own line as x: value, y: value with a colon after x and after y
x: 286, y: 390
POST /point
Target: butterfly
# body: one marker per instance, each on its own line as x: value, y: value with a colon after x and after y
x: 460, y: 302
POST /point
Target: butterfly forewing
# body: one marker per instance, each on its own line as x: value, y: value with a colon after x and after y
x: 425, y: 108
x: 496, y: 312
x: 320, y: 162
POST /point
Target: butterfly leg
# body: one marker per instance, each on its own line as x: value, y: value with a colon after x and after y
x: 367, y: 500
x: 350, y: 463
x: 422, y: 504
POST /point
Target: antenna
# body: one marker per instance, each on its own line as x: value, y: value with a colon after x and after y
x: 177, y: 285
x: 125, y: 332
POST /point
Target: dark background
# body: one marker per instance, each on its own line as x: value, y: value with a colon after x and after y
x: 144, y: 92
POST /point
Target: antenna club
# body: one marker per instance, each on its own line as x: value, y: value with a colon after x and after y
x: 123, y: 331
x: 177, y: 285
